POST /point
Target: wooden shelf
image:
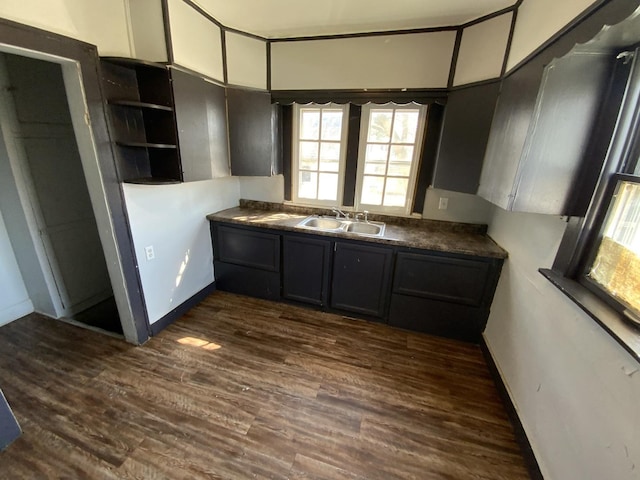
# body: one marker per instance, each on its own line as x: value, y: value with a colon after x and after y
x: 134, y: 103
x: 142, y: 121
x: 146, y: 145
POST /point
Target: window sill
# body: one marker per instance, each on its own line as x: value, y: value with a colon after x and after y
x: 621, y: 330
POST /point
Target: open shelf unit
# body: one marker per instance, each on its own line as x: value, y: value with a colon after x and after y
x: 142, y: 121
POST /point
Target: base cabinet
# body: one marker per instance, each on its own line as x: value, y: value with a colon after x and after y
x: 432, y: 292
x: 305, y: 269
x: 246, y: 261
x: 361, y: 278
x: 443, y: 295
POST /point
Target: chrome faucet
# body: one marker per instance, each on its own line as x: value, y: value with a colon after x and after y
x: 364, y: 214
x: 339, y: 212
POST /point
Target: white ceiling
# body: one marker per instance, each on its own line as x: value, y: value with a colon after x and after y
x: 296, y: 18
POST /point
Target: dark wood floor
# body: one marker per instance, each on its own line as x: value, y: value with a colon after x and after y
x: 242, y: 388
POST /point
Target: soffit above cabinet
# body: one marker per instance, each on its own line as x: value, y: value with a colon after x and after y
x: 293, y: 18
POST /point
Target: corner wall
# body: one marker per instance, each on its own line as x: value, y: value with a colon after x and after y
x: 575, y: 389
x: 171, y: 218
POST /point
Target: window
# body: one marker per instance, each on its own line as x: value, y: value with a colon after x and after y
x: 616, y: 267
x: 383, y: 162
x: 318, y: 154
x: 599, y: 258
x: 390, y: 148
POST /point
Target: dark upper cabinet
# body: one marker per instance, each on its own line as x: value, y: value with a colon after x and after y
x: 142, y: 124
x: 361, y: 278
x: 536, y: 156
x: 201, y: 118
x: 547, y: 127
x: 465, y: 133
x: 254, y: 133
x: 305, y: 269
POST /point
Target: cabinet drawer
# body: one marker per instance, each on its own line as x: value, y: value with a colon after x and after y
x: 247, y: 248
x: 447, y: 279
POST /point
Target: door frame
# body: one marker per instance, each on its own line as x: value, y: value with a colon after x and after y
x: 80, y: 69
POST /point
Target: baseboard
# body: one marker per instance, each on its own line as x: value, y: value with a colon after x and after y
x: 14, y: 312
x: 521, y: 435
x: 176, y: 313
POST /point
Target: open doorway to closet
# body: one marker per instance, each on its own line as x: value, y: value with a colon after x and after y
x: 51, y: 198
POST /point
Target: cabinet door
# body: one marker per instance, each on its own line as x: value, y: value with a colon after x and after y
x: 305, y: 274
x: 201, y: 117
x: 361, y: 278
x: 465, y: 133
x: 247, y: 248
x: 253, y: 133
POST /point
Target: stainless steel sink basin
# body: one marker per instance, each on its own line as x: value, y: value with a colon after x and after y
x: 365, y: 228
x: 321, y: 223
x: 331, y: 224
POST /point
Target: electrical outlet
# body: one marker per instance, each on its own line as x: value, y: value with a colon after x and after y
x: 443, y: 204
x: 149, y: 252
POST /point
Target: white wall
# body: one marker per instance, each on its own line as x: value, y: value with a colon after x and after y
x: 482, y: 50
x: 100, y: 22
x: 575, y: 389
x: 461, y: 207
x: 147, y: 30
x: 266, y: 189
x: 420, y: 60
x: 246, y: 61
x: 538, y: 21
x: 197, y: 42
x: 171, y: 218
x: 14, y: 299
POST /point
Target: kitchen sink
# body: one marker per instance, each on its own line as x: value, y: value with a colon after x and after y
x: 321, y: 223
x: 332, y: 224
x: 365, y: 228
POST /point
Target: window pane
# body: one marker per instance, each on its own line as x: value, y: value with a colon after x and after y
x: 617, y: 264
x: 308, y: 185
x: 372, y: 188
x: 329, y: 156
x: 400, y: 160
x: 380, y: 126
x: 309, y: 123
x: 405, y: 126
x: 375, y: 161
x: 331, y: 125
x: 395, y: 194
x: 328, y: 189
x: 309, y: 155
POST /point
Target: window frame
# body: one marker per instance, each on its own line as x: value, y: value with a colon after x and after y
x: 591, y: 252
x: 582, y: 236
x: 418, y: 145
x: 295, y: 152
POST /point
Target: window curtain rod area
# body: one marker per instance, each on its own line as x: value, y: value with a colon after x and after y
x: 360, y: 97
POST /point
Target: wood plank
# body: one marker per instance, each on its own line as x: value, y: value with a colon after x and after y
x: 245, y: 388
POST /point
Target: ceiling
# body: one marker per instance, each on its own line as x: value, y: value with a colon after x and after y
x: 298, y: 18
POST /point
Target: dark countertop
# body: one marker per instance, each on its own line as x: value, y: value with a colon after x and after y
x: 439, y: 236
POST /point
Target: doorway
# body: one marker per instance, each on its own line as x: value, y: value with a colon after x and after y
x: 53, y: 197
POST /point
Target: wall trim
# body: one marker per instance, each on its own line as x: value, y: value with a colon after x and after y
x: 518, y: 428
x: 180, y: 310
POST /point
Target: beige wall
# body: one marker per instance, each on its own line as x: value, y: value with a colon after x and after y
x: 419, y: 60
x: 482, y: 50
x: 197, y: 42
x: 539, y: 20
x: 246, y: 61
x: 100, y: 22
